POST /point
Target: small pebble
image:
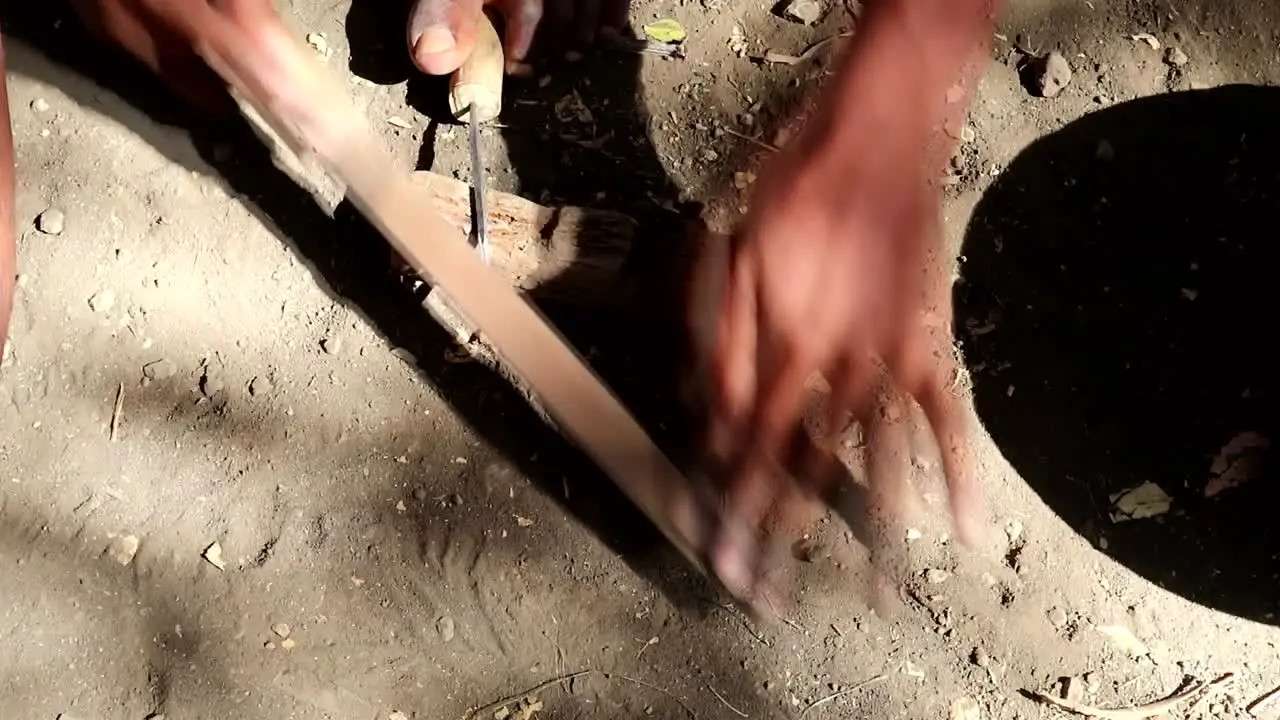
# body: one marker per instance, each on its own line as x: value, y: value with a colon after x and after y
x: 1052, y: 74
x: 331, y: 345
x: 159, y: 370
x: 210, y: 385
x: 103, y: 301
x: 40, y: 105
x: 1057, y: 617
x: 261, y: 386
x: 806, y: 12
x: 980, y: 658
x: 935, y: 575
x: 287, y: 643
x: 281, y: 629
x: 123, y: 548
x: 1175, y: 57
x: 51, y: 222
x: 444, y: 626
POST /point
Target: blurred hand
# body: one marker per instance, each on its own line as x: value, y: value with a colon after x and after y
x: 442, y: 32
x: 838, y: 269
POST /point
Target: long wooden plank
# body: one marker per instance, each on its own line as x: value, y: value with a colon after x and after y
x: 290, y: 90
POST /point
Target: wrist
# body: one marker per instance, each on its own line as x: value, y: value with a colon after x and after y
x: 907, y: 75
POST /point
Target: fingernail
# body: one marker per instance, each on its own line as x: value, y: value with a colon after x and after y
x: 515, y: 68
x: 433, y: 41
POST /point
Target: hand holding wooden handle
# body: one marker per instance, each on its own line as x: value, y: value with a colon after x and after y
x: 476, y: 87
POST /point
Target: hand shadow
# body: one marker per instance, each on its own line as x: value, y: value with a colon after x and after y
x: 1118, y: 283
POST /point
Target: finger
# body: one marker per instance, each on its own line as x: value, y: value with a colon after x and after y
x: 707, y: 294
x: 442, y: 33
x: 734, y: 360
x: 613, y: 17
x: 736, y: 550
x: 522, y: 20
x: 780, y: 393
x: 887, y: 466
x: 146, y: 35
x: 949, y: 418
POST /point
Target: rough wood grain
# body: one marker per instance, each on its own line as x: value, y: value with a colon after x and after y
x: 569, y: 254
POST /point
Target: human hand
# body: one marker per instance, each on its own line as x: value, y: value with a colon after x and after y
x: 838, y: 269
x: 160, y: 34
x: 442, y: 33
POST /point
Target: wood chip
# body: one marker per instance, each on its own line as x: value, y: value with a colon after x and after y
x: 213, y: 554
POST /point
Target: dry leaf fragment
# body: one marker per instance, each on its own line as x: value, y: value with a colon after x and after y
x: 213, y: 554
x: 1144, y: 501
x: 1124, y: 639
x: 399, y: 122
x: 1147, y: 38
x: 666, y: 30
x: 1238, y: 461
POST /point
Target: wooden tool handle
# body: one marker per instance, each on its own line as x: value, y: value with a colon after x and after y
x: 477, y: 85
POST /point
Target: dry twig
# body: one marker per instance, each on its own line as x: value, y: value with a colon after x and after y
x: 1263, y: 700
x: 725, y: 702
x: 767, y: 146
x: 664, y: 691
x: 837, y: 695
x: 486, y: 709
x: 1137, y: 712
x: 775, y: 57
x: 115, y: 413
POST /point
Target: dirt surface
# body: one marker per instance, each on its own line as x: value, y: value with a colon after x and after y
x: 397, y: 536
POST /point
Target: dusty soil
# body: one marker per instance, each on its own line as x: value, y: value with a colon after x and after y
x: 399, y: 534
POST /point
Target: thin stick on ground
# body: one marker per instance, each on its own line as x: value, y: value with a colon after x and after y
x: 767, y: 146
x: 1263, y: 700
x: 486, y: 709
x: 664, y: 691
x: 1137, y: 712
x: 115, y: 413
x: 724, y: 702
x: 837, y: 695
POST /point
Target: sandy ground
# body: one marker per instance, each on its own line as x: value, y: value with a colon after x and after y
x: 398, y: 534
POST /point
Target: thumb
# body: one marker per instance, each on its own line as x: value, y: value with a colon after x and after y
x: 442, y: 33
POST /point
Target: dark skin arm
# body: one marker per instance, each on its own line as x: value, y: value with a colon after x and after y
x: 838, y: 269
x: 8, y: 232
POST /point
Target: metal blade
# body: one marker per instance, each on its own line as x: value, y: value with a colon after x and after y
x: 480, y: 212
